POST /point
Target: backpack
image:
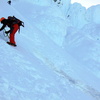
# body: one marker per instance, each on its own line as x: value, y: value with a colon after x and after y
x: 15, y: 20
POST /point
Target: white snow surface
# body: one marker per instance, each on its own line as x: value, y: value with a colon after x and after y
x: 57, y: 56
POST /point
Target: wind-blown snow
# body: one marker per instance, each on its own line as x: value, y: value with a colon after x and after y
x: 56, y: 58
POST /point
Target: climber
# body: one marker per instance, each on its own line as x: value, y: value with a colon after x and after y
x: 13, y: 29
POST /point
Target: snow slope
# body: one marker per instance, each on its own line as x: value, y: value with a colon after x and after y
x: 39, y: 68
x: 85, y: 40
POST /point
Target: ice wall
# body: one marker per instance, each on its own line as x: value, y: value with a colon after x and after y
x: 76, y: 15
x: 93, y: 15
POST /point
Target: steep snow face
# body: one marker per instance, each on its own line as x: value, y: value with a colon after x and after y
x: 48, y: 16
x: 49, y: 19
x: 84, y: 45
x: 52, y: 16
x: 93, y: 15
x: 76, y: 15
x: 83, y: 36
x: 38, y: 68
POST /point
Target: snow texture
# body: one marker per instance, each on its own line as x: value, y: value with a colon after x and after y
x: 57, y: 55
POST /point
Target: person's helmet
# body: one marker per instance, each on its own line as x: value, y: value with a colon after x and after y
x: 1, y: 19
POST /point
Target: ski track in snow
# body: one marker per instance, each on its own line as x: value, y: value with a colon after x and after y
x: 85, y: 88
x: 78, y: 84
